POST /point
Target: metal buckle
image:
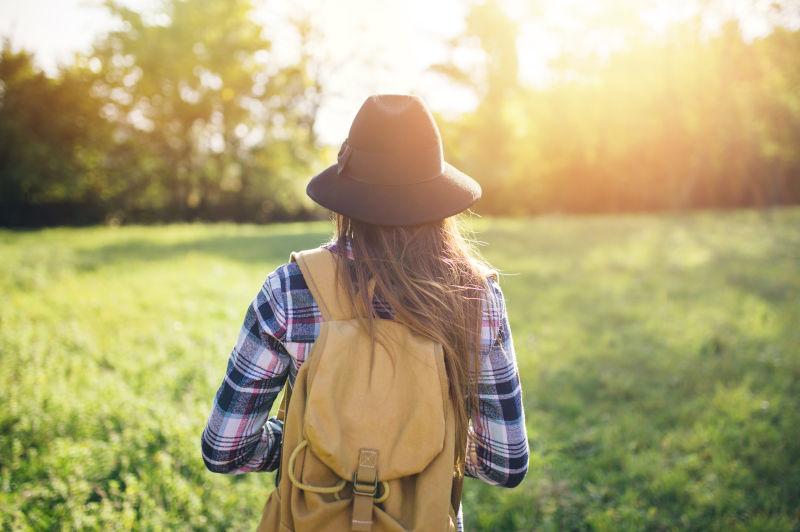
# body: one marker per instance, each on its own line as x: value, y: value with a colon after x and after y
x: 361, y: 488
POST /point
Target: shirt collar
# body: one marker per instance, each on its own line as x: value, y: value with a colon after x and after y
x: 346, y: 250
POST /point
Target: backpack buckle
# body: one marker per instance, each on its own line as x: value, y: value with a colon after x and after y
x: 365, y: 488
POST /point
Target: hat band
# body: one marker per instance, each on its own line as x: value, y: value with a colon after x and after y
x: 390, y: 168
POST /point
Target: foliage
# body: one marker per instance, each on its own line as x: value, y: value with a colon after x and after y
x: 182, y: 114
x: 186, y: 113
x: 659, y: 358
x: 51, y: 137
x: 682, y: 120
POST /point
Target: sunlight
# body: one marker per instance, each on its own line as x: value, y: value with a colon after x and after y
x: 630, y: 168
x: 376, y: 46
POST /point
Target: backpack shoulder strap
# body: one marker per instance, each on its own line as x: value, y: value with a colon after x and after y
x: 457, y: 486
x: 318, y: 266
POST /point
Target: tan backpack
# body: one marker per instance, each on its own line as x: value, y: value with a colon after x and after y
x: 368, y: 442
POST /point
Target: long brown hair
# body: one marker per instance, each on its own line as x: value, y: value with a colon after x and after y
x: 433, y: 280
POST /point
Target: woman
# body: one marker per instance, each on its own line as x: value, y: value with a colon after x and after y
x: 395, y: 201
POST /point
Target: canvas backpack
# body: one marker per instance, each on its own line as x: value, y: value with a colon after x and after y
x: 369, y: 441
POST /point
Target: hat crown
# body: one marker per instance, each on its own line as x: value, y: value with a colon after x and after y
x: 391, y: 170
x: 394, y: 123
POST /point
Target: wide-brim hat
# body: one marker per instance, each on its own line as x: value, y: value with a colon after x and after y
x: 391, y: 168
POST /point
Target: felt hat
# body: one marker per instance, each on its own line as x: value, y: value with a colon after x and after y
x: 391, y: 169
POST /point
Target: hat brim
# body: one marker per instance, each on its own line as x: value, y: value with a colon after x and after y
x: 448, y: 194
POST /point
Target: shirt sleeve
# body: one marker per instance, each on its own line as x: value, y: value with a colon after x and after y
x: 239, y: 437
x: 497, y: 452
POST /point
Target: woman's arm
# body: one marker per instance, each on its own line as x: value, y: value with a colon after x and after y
x: 238, y: 437
x: 499, y: 454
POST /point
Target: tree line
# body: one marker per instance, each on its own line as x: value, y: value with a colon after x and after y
x: 683, y: 120
x: 194, y: 119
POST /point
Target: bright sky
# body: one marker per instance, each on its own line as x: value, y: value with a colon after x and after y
x: 402, y: 37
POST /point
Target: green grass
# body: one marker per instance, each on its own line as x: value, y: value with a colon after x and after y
x: 660, y: 358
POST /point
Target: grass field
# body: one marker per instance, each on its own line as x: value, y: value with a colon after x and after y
x: 660, y: 358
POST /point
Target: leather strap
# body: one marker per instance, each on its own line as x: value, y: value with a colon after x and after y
x: 455, y: 493
x: 287, y: 395
x: 318, y: 266
x: 365, y: 487
x: 462, y: 439
x: 281, y: 415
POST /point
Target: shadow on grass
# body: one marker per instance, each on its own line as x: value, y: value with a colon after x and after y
x: 266, y: 249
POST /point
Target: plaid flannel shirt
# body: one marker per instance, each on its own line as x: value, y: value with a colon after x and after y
x: 279, y: 329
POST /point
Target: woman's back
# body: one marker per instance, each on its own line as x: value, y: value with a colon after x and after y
x: 280, y: 328
x: 395, y: 199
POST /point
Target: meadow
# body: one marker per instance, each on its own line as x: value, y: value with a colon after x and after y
x: 660, y: 359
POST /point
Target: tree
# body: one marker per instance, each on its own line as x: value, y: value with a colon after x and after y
x: 485, y: 140
x: 684, y: 119
x: 209, y: 124
x: 51, y: 138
